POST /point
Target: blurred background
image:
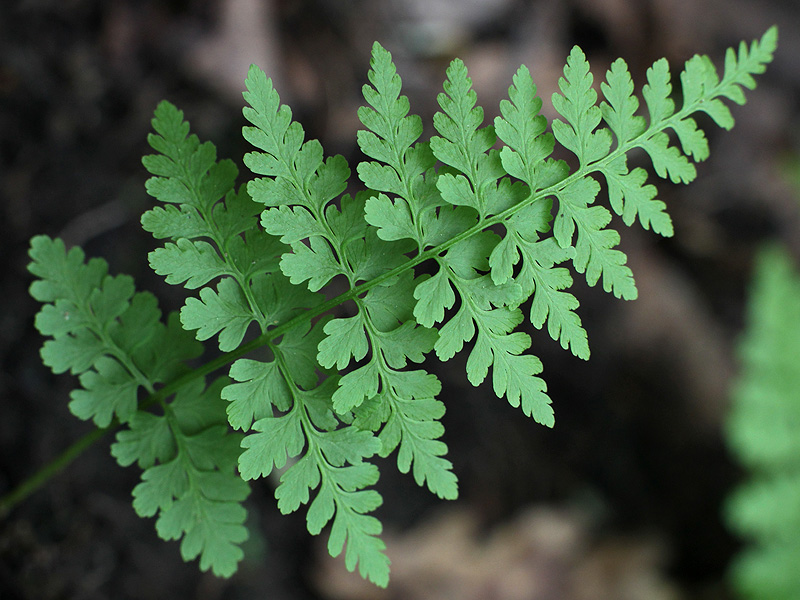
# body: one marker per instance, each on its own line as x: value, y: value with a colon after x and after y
x: 621, y: 500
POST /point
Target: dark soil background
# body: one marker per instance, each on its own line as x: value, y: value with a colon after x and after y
x: 621, y: 500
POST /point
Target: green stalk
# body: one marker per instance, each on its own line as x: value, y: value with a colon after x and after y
x: 50, y: 470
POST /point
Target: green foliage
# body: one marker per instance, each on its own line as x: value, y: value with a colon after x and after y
x: 493, y: 216
x: 763, y: 431
x: 114, y: 339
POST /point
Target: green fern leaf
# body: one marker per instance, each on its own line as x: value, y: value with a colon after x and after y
x: 762, y: 432
x: 628, y: 195
x: 442, y: 250
x: 526, y: 157
x: 108, y: 391
x: 117, y: 343
x: 147, y: 441
x: 194, y: 487
x: 523, y: 130
x: 594, y: 248
x: 577, y: 104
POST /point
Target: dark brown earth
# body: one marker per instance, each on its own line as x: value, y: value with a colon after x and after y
x: 621, y: 500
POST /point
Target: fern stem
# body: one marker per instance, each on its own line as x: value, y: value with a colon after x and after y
x: 55, y: 466
x: 50, y: 470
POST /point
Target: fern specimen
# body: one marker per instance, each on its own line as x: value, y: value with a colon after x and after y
x: 495, y: 227
x: 764, y: 433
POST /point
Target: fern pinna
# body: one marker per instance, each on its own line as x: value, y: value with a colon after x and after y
x: 327, y: 392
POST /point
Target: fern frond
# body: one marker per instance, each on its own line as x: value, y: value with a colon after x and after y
x: 493, y: 216
x: 762, y: 432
